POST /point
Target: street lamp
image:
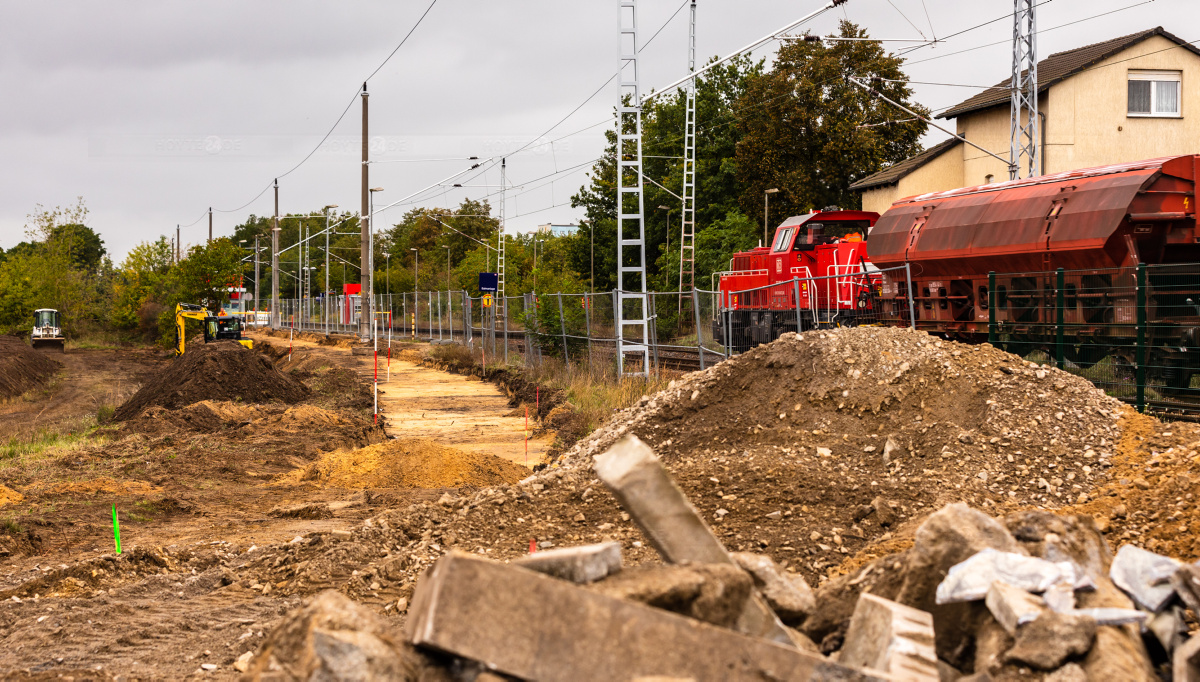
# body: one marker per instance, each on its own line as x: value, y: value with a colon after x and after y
x: 766, y: 208
x: 668, y: 210
x: 369, y: 308
x: 387, y: 273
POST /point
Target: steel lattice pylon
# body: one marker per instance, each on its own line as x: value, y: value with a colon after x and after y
x: 1023, y: 129
x: 687, y: 236
x: 632, y: 304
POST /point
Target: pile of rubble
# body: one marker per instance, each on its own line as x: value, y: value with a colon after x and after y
x: 1032, y: 596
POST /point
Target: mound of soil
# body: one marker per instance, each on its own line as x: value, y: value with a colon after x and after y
x: 216, y: 371
x: 21, y: 367
x: 204, y: 416
x: 408, y: 463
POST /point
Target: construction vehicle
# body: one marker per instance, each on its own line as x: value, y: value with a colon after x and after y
x: 47, y: 331
x: 220, y: 327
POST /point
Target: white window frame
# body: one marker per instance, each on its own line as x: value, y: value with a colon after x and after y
x: 1157, y: 77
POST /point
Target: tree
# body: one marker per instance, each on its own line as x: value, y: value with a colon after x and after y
x: 139, y: 286
x: 718, y: 92
x: 802, y: 123
x: 84, y: 249
x: 205, y: 275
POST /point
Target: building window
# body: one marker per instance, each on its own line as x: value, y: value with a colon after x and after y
x: 989, y: 179
x: 1154, y: 93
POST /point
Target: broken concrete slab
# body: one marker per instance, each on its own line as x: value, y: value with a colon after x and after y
x: 1185, y: 663
x: 1013, y: 606
x: 334, y: 638
x: 971, y: 579
x: 530, y: 626
x: 1112, y: 616
x: 788, y: 595
x: 1186, y: 583
x: 1051, y: 639
x: 583, y: 564
x: 713, y: 593
x: 646, y: 491
x: 1168, y: 627
x: 891, y: 638
x: 1144, y: 576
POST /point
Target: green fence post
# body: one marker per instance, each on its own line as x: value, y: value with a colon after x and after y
x: 992, y: 307
x: 1059, y: 305
x: 1141, y: 337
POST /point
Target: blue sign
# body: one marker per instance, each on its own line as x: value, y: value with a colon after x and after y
x: 488, y: 281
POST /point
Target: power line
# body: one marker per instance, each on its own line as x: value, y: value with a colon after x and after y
x: 339, y: 118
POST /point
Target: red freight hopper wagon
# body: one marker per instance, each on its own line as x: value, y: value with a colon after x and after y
x: 1097, y: 224
x: 806, y: 275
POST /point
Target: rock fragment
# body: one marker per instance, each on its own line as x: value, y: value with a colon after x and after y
x: 583, y: 564
x: 1051, y: 639
x: 788, y: 595
x: 1013, y: 607
x: 890, y: 638
x: 1144, y: 576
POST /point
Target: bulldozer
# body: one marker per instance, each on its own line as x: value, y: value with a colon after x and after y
x: 220, y: 327
x: 47, y: 331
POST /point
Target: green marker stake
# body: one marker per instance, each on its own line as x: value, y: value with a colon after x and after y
x: 116, y: 528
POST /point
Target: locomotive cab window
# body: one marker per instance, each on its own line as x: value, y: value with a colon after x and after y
x: 783, y: 239
x: 1154, y: 94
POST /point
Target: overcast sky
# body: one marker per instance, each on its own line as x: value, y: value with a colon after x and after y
x: 154, y: 111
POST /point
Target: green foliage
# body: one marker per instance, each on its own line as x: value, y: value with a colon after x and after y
x: 717, y: 244
x: 801, y: 125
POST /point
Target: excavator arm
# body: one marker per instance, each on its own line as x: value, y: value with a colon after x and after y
x: 183, y: 313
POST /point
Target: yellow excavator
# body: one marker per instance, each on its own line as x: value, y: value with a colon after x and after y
x: 220, y: 327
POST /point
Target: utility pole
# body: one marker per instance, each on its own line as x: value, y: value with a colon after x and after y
x: 766, y: 211
x: 275, y: 263
x: 210, y: 224
x: 256, y: 299
x: 177, y: 243
x: 364, y: 271
x: 631, y: 228
x: 500, y: 250
x: 1023, y: 127
x: 325, y: 298
x: 687, y: 236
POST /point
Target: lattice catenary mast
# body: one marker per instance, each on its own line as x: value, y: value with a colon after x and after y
x: 1023, y: 129
x: 631, y: 309
x: 687, y: 236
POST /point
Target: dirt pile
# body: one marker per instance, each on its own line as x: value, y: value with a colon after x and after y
x: 217, y: 371
x: 408, y: 463
x: 21, y: 367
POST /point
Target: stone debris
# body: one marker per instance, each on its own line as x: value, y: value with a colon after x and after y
x: 534, y: 627
x: 1051, y: 639
x: 646, y: 491
x: 1187, y: 661
x: 971, y: 579
x: 788, y: 595
x: 584, y: 564
x: 1144, y: 576
x: 891, y: 638
x: 1013, y: 607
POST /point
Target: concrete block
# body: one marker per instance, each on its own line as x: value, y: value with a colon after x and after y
x: 1051, y: 639
x: 970, y: 580
x: 646, y: 491
x: 1145, y: 576
x: 1186, y: 583
x: 527, y: 625
x: 583, y: 564
x: 788, y: 595
x: 1012, y: 606
x: 1185, y: 663
x: 891, y: 638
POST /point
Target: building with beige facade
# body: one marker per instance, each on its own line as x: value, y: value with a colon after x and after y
x: 1126, y: 99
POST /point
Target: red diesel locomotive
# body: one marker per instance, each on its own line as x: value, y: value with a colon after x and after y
x: 807, y: 276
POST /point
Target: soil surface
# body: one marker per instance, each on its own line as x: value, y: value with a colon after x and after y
x: 216, y: 371
x: 21, y: 367
x: 823, y: 451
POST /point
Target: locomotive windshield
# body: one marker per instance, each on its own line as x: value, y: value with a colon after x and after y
x: 783, y: 238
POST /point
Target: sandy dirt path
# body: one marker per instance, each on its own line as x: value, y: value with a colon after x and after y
x: 450, y: 409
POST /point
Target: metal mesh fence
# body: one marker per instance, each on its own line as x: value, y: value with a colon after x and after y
x: 1134, y: 331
